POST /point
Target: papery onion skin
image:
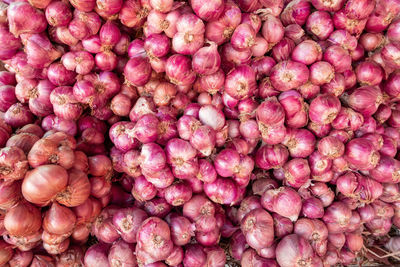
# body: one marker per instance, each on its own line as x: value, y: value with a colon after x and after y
x: 211, y: 12
x: 283, y: 49
x: 142, y: 189
x: 257, y: 227
x: 379, y: 226
x: 237, y: 245
x: 324, y: 193
x: 7, y: 78
x: 331, y: 147
x: 313, y: 230
x: 387, y: 170
x: 270, y: 106
x: 178, y: 194
x: 77, y: 190
x: 59, y: 220
x: 287, y: 75
x: 361, y: 154
x: 192, y: 96
x: 181, y: 230
x: 296, y: 172
x: 21, y: 258
x: 337, y: 217
x: 137, y: 71
x: 13, y: 163
x: 300, y: 142
x: 268, y: 157
x: 18, y: 115
x: 16, y: 13
x: 24, y: 141
x: 28, y: 218
x: 46, y: 151
x: 121, y: 134
x: 10, y: 194
x: 221, y: 30
x: 43, y: 175
x: 243, y: 37
x: 179, y: 71
x: 159, y: 234
x: 393, y: 244
x: 103, y: 227
x: 7, y: 93
x: 223, y: 191
x: 190, y: 34
x: 194, y: 256
x: 293, y: 250
x: 97, y: 255
x: 338, y: 57
x: 6, y: 252
x: 320, y: 24
x: 276, y: 200
x: 240, y: 82
x: 250, y: 257
x: 312, y: 208
x: 122, y: 253
x: 128, y: 221
x: 211, y: 116
x: 389, y: 194
x: 324, y: 109
x: 307, y: 52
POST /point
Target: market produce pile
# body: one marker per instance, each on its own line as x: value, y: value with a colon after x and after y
x: 203, y: 133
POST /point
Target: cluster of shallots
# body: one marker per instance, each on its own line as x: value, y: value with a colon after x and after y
x: 45, y: 191
x: 199, y: 133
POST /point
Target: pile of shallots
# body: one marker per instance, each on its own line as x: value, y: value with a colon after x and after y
x: 199, y: 133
